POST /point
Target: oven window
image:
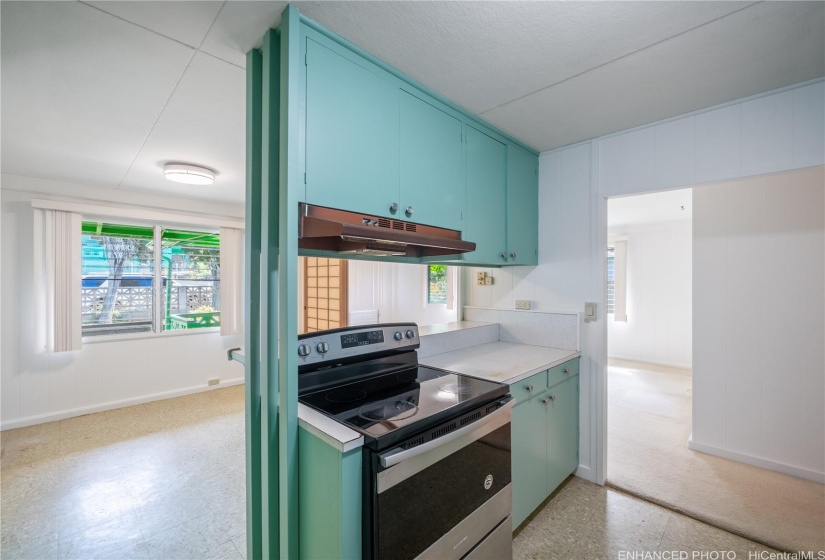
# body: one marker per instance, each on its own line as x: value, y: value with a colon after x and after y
x: 415, y: 513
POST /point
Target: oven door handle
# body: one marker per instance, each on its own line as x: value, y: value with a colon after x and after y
x: 477, y: 429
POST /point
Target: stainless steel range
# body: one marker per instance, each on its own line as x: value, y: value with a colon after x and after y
x: 436, y: 471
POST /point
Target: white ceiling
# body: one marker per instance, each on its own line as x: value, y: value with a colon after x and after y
x: 668, y: 206
x: 105, y: 93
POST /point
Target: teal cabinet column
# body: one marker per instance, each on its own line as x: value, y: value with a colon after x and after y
x: 352, y: 134
x: 562, y: 431
x: 486, y: 184
x: 432, y: 183
x: 529, y: 453
x: 522, y: 206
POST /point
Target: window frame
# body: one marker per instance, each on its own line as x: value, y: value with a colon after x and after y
x: 157, y: 281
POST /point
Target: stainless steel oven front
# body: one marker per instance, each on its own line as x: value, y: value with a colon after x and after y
x: 448, y: 498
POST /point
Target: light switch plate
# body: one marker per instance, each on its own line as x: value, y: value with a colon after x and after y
x: 522, y: 304
x: 480, y: 278
x: 589, y: 311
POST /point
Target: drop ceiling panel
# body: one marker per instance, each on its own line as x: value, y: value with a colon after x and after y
x: 80, y: 90
x: 240, y: 27
x: 763, y: 47
x: 203, y: 124
x: 185, y: 21
x: 484, y: 54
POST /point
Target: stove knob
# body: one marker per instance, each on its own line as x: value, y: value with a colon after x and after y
x: 322, y: 347
x: 304, y: 350
x: 410, y: 334
x: 398, y: 335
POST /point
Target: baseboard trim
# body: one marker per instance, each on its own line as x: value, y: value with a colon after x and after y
x: 71, y: 413
x: 776, y: 466
x: 586, y: 473
x: 667, y: 364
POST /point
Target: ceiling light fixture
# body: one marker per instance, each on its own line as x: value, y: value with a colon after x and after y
x: 189, y: 174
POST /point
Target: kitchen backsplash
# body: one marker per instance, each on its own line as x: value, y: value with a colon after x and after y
x: 437, y: 339
x: 538, y: 328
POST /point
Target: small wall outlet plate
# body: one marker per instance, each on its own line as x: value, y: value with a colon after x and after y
x: 213, y: 381
x: 488, y: 280
x: 522, y: 304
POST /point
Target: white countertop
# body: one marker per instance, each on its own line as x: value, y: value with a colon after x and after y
x: 505, y: 362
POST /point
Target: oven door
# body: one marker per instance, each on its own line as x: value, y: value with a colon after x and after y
x: 442, y: 498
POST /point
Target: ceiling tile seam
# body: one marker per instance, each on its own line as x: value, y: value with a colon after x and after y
x: 168, y: 97
x: 484, y: 112
x: 138, y: 25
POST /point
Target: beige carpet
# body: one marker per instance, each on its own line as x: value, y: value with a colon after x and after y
x: 649, y: 423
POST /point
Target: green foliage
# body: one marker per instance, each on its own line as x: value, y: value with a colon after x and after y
x: 437, y: 284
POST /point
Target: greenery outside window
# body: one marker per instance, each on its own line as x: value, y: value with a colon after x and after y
x: 132, y: 284
x: 437, y: 284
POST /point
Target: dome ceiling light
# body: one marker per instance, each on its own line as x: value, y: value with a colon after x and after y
x: 188, y: 174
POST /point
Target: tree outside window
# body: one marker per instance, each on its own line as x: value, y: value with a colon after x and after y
x: 437, y: 284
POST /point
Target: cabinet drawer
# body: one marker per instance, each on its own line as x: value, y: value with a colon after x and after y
x: 521, y: 390
x: 562, y: 371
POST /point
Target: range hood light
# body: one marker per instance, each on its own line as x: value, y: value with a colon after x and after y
x: 188, y: 174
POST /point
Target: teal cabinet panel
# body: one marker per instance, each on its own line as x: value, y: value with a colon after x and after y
x: 563, y: 371
x: 330, y: 494
x: 529, y: 454
x: 522, y: 206
x: 432, y: 182
x: 562, y: 431
x: 352, y: 134
x: 486, y: 183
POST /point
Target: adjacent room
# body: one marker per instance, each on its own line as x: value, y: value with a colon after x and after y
x: 407, y: 280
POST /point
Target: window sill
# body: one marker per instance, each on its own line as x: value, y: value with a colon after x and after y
x: 146, y: 335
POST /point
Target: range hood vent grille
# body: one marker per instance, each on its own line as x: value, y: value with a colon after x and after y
x: 327, y: 229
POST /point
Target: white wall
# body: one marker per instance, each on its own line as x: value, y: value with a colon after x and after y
x: 37, y: 387
x: 769, y: 133
x: 398, y: 291
x: 759, y: 300
x: 658, y: 328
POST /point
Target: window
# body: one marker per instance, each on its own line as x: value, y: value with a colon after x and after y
x: 611, y: 282
x: 122, y: 292
x: 437, y: 284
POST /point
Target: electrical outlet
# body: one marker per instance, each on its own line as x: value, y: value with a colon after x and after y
x: 488, y: 280
x: 480, y: 276
x: 522, y: 304
x: 213, y: 381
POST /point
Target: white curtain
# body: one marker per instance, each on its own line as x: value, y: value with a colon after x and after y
x: 232, y: 247
x: 57, y: 276
x: 620, y: 281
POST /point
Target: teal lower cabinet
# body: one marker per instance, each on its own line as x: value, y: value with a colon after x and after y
x: 545, y: 436
x: 329, y: 489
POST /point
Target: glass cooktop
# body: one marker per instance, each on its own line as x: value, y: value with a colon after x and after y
x: 391, y: 402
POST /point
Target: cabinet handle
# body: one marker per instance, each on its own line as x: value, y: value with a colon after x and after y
x: 548, y: 400
x: 566, y: 371
x: 504, y: 256
x: 529, y: 388
x: 394, y: 207
x: 409, y: 210
x: 513, y: 256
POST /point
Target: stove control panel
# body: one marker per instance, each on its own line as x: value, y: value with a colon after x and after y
x: 362, y: 341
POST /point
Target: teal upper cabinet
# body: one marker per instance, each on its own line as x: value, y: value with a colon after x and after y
x: 522, y: 206
x: 486, y: 180
x: 352, y: 133
x: 432, y: 186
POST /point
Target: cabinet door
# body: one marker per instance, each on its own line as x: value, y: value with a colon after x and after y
x: 529, y: 454
x: 562, y: 431
x: 522, y: 206
x: 431, y: 172
x: 351, y: 134
x: 486, y: 182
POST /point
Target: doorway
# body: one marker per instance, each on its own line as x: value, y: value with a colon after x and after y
x: 649, y: 337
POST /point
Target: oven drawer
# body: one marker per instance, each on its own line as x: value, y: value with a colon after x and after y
x: 498, y: 545
x: 530, y: 387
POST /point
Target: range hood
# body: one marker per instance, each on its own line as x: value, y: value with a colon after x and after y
x: 353, y: 233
